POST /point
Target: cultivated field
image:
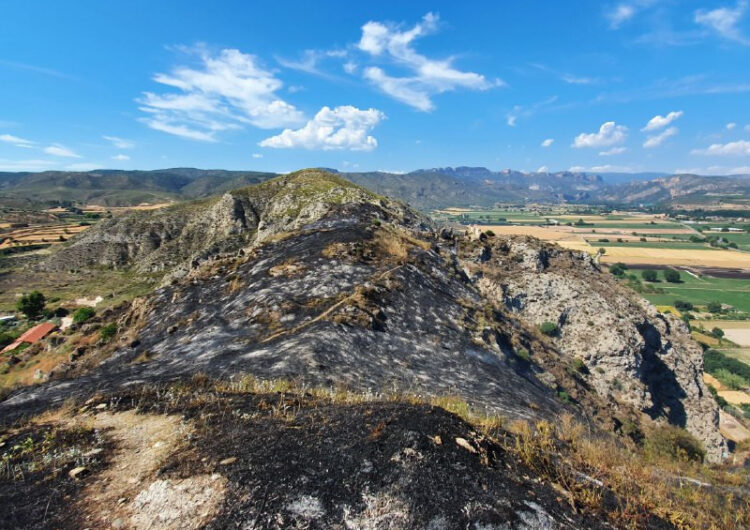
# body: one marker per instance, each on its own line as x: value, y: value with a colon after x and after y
x: 35, y: 235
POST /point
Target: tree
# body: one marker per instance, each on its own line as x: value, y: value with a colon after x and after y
x: 714, y: 307
x: 31, y: 304
x: 649, y: 275
x: 681, y: 305
x: 717, y: 333
x: 672, y: 275
x: 618, y: 269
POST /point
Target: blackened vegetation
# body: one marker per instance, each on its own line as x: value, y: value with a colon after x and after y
x: 36, y: 490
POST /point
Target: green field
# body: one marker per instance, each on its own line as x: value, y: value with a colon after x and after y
x: 741, y: 354
x: 735, y: 292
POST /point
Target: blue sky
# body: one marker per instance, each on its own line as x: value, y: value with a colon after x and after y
x: 636, y: 85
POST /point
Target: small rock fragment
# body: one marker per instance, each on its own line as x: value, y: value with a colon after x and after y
x: 464, y: 443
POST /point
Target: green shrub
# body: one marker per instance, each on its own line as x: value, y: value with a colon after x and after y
x: 649, y: 275
x: 31, y: 304
x: 107, y: 332
x: 673, y: 442
x: 681, y: 305
x: 564, y: 396
x: 577, y: 365
x: 83, y: 314
x: 672, y: 275
x: 713, y: 361
x: 717, y: 333
x: 549, y: 328
x: 714, y: 307
x: 489, y: 233
x: 730, y: 379
x: 618, y: 269
x: 523, y: 353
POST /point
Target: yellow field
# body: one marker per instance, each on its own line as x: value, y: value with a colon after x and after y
x: 40, y: 234
x: 94, y: 208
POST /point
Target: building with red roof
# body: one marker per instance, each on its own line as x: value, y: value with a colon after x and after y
x: 32, y: 336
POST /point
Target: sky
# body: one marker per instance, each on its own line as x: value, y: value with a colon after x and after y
x: 629, y: 86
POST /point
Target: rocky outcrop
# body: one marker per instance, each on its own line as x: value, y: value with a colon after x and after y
x: 633, y: 355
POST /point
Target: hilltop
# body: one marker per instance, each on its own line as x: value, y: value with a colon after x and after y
x: 320, y: 287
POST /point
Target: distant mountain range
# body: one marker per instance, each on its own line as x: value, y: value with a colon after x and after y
x: 425, y: 189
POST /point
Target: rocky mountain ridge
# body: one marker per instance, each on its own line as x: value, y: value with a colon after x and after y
x: 310, y: 277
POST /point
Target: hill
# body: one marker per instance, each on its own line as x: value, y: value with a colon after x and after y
x: 424, y: 189
x: 312, y: 331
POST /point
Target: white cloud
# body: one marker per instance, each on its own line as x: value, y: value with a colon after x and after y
x: 609, y: 134
x: 119, y: 143
x: 257, y: 155
x: 724, y: 21
x: 658, y: 139
x: 738, y: 148
x: 121, y: 157
x: 744, y: 170
x: 25, y: 165
x: 61, y: 150
x: 343, y: 127
x: 747, y: 128
x: 520, y: 111
x: 626, y: 11
x: 429, y: 76
x: 543, y: 169
x: 610, y: 168
x: 620, y: 14
x: 576, y: 169
x: 548, y: 142
x: 659, y: 121
x: 731, y: 125
x: 15, y: 140
x: 225, y: 91
x: 350, y: 67
x: 613, y: 151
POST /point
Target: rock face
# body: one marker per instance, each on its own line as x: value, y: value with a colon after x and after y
x: 633, y: 355
x: 311, y: 278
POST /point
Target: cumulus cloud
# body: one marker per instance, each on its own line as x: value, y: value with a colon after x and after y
x: 613, y: 151
x: 339, y: 128
x: 15, y: 140
x: 120, y: 143
x: 61, y: 150
x: 658, y: 139
x: 428, y: 76
x: 658, y: 121
x: 121, y: 157
x: 224, y: 91
x: 609, y: 134
x: 724, y: 21
x: 731, y: 126
x: 548, y: 142
x: 543, y: 169
x: 738, y: 148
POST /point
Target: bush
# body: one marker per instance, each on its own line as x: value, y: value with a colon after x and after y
x: 672, y: 275
x: 31, y: 304
x: 523, y: 353
x: 83, y: 314
x: 714, y: 307
x: 732, y: 380
x: 489, y: 233
x: 717, y: 333
x: 681, y: 305
x: 577, y: 365
x: 673, y: 442
x: 618, y: 269
x: 549, y: 328
x: 714, y: 360
x: 564, y: 396
x: 6, y: 338
x: 107, y: 332
x: 649, y: 275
